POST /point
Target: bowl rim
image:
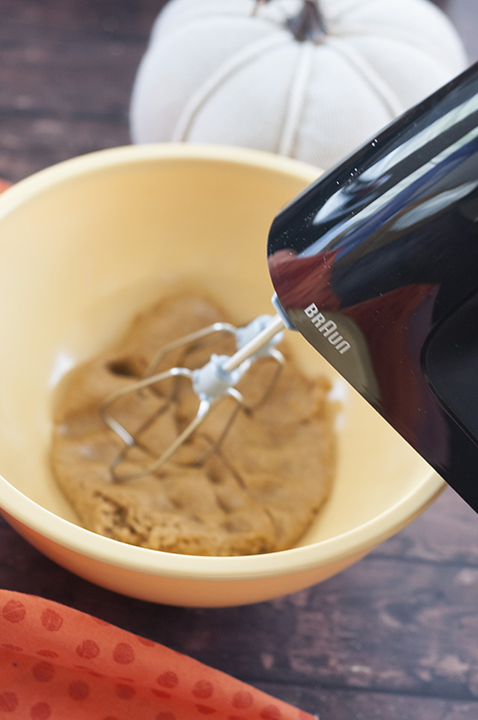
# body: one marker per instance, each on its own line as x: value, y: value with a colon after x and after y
x: 355, y: 542
x: 21, y: 508
x: 100, y: 160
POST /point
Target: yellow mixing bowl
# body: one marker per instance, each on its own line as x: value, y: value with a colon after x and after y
x: 83, y: 246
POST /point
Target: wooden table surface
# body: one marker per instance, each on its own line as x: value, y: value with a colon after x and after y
x: 394, y: 637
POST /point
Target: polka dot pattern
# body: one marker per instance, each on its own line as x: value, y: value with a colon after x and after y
x: 123, y: 654
x: 205, y: 709
x: 51, y: 620
x: 8, y: 701
x: 69, y: 664
x: 203, y: 689
x: 40, y: 711
x: 78, y: 690
x: 9, y: 646
x: 271, y: 712
x: 14, y: 611
x: 146, y: 642
x: 43, y: 671
x: 88, y: 649
x: 125, y: 692
x: 168, y: 679
x: 47, y: 653
x: 242, y: 699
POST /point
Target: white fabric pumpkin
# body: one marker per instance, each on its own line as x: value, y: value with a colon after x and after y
x: 216, y: 72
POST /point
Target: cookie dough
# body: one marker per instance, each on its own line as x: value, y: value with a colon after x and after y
x: 257, y: 493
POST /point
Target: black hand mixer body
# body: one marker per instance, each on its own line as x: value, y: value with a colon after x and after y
x: 376, y: 264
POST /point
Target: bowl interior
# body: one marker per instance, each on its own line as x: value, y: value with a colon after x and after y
x: 85, y: 246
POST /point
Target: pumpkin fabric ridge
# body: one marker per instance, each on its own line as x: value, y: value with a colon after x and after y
x: 216, y: 72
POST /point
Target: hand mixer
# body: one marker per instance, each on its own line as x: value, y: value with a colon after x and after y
x: 376, y: 265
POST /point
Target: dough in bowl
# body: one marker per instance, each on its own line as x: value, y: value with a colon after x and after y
x: 257, y: 493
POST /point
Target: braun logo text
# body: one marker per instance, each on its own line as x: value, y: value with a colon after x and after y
x: 328, y: 328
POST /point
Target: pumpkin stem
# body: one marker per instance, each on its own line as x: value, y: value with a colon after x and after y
x: 309, y: 23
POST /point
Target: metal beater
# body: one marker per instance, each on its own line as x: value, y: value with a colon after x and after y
x: 213, y: 382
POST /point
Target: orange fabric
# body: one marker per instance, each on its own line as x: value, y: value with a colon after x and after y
x: 4, y: 185
x: 58, y: 663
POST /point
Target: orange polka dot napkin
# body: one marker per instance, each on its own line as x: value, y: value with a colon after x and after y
x: 61, y: 664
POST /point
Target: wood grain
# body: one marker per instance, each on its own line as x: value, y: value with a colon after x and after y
x: 66, y: 73
x: 395, y: 636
